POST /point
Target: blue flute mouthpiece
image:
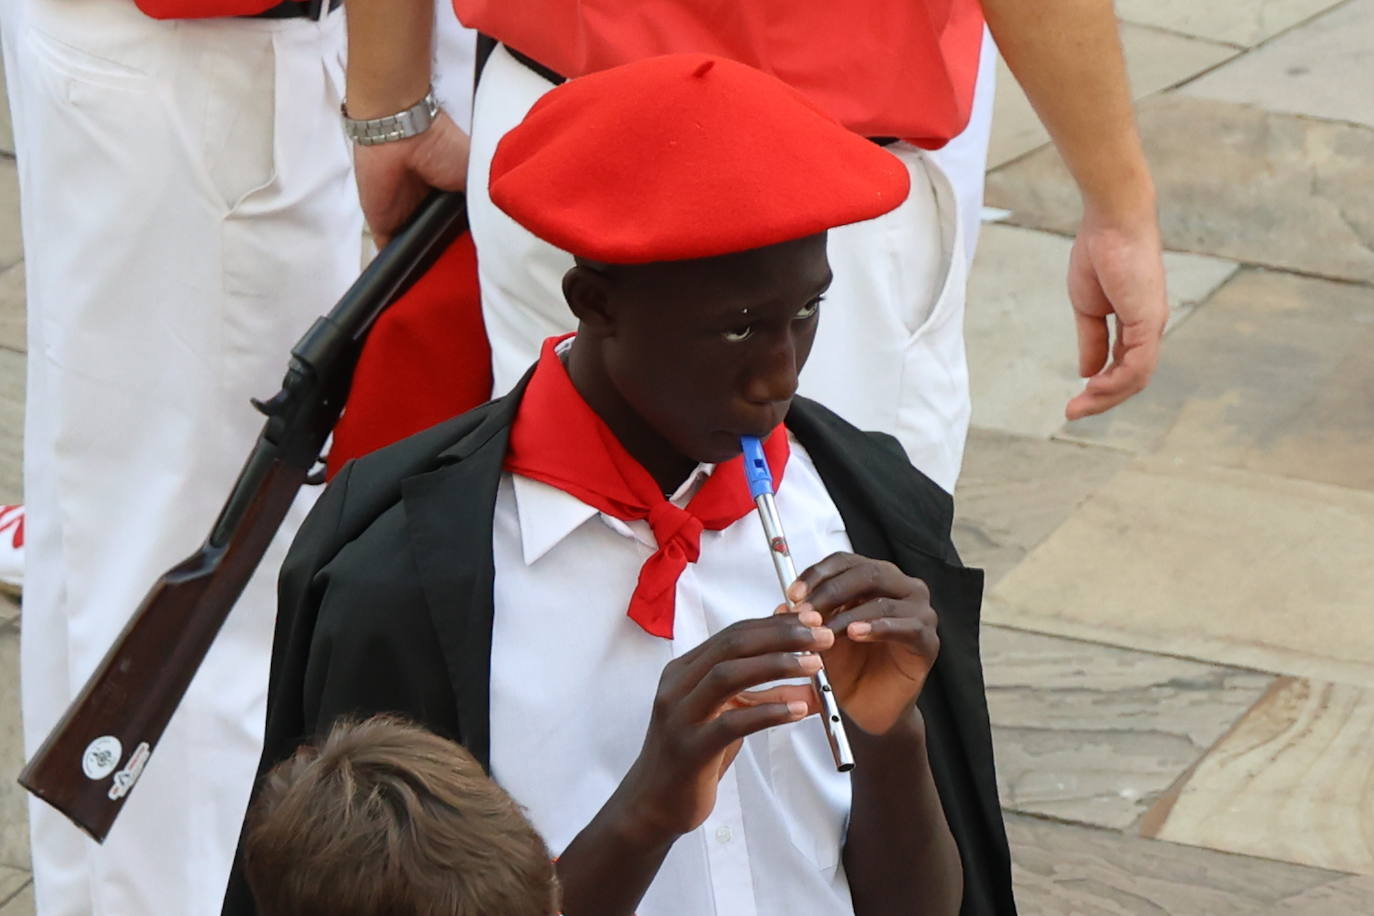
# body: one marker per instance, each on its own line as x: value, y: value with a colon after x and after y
x: 756, y: 467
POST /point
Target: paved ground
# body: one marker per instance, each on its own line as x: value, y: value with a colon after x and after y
x: 1179, y: 662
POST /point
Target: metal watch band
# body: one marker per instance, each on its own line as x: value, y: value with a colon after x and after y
x: 413, y: 121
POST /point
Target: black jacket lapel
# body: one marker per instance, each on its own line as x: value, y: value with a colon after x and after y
x: 449, y: 519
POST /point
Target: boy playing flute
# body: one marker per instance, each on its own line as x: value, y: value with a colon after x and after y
x: 570, y: 581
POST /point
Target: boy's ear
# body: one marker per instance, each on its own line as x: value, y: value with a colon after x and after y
x: 588, y: 292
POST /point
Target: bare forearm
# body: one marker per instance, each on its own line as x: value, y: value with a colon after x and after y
x: 1066, y: 54
x: 610, y: 864
x: 899, y: 856
x: 390, y: 45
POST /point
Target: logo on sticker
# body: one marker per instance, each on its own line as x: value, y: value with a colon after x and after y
x: 101, y: 757
x: 124, y: 780
x: 779, y: 546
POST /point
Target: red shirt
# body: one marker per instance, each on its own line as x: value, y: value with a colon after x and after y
x: 882, y: 68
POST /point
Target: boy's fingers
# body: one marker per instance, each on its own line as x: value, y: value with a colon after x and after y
x: 747, y: 639
x: 817, y: 573
x: 735, y: 630
x: 782, y: 693
x: 862, y: 583
x: 808, y: 615
x: 918, y: 613
x: 841, y: 580
x: 913, y: 635
x: 734, y: 724
x: 729, y: 678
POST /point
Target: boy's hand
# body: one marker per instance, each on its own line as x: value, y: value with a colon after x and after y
x: 702, y: 712
x: 885, y: 630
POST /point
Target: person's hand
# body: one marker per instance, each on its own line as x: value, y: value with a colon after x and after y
x: 394, y: 177
x: 885, y: 630
x: 1116, y: 269
x: 703, y: 709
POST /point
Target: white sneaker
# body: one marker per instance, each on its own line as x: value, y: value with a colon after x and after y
x: 12, y: 549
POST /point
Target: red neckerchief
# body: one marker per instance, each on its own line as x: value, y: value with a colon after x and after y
x: 558, y: 440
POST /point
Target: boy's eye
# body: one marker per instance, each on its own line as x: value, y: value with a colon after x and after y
x: 745, y: 331
x: 809, y: 309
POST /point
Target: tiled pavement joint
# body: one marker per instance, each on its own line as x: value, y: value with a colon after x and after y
x: 17, y: 891
x: 1153, y: 819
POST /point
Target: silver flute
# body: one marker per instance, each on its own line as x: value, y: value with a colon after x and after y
x: 761, y: 488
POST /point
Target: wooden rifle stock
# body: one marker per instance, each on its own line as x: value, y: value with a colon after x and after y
x: 93, y: 757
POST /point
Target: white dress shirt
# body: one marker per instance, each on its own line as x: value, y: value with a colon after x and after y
x: 573, y: 679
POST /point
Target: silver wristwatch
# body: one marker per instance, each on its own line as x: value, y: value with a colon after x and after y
x: 413, y: 121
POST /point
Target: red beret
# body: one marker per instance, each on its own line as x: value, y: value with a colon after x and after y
x: 686, y: 156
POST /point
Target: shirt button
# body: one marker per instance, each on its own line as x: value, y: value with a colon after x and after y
x: 724, y: 835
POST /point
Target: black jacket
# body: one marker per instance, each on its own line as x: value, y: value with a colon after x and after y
x: 386, y: 606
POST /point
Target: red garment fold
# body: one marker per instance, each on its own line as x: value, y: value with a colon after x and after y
x: 426, y: 359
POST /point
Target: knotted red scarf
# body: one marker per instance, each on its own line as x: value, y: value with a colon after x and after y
x: 558, y: 440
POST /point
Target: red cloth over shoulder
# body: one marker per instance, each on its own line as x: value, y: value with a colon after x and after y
x: 426, y: 359
x: 202, y: 9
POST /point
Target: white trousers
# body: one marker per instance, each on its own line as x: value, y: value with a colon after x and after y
x: 965, y: 158
x: 455, y: 49
x: 188, y: 209
x: 889, y: 354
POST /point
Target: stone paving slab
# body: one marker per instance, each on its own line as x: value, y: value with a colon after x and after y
x: 1155, y: 60
x: 21, y: 904
x: 1095, y: 734
x: 1354, y: 895
x: 1015, y: 491
x: 1234, y: 181
x: 11, y: 244
x: 12, y: 312
x: 1309, y: 71
x: 1022, y: 347
x: 1293, y: 781
x: 12, y: 881
x: 11, y: 426
x: 1240, y: 22
x: 6, y: 123
x: 1224, y: 566
x: 1273, y: 374
x: 1066, y: 870
x: 14, y: 835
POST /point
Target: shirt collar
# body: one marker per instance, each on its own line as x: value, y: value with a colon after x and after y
x: 547, y: 515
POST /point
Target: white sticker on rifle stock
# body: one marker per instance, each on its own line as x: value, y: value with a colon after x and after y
x: 101, y: 757
x: 124, y: 780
